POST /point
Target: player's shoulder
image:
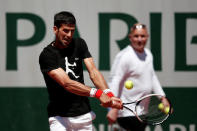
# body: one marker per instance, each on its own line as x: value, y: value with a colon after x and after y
x: 78, y: 40
x: 49, y: 49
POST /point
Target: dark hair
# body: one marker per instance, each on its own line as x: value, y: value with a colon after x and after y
x: 64, y: 17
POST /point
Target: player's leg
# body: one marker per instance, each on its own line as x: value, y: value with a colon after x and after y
x: 58, y: 123
x: 88, y: 126
x: 83, y: 122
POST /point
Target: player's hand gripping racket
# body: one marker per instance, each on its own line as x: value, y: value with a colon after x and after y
x: 152, y: 109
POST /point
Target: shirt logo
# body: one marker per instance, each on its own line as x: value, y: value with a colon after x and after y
x: 68, y: 70
x: 76, y: 58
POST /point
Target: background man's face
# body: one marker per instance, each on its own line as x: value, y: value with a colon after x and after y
x: 138, y: 38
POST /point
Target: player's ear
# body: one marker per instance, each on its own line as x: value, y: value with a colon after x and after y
x: 55, y: 29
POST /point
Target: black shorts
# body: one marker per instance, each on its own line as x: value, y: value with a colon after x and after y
x: 131, y: 124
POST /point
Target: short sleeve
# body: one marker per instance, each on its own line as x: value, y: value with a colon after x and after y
x: 48, y: 61
x: 85, y: 51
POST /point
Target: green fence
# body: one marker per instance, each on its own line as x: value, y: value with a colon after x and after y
x: 24, y: 109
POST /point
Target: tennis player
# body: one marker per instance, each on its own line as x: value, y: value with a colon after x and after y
x: 135, y: 63
x: 61, y: 66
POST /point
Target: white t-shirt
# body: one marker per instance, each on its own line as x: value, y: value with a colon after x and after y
x: 137, y: 67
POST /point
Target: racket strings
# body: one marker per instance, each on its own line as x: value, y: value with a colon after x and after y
x: 148, y: 111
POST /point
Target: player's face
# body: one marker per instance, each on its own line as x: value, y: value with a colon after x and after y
x: 64, y: 34
x: 138, y: 38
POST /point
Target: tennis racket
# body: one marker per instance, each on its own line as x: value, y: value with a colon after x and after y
x: 150, y: 109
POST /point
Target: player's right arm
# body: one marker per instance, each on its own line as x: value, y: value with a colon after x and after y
x: 60, y: 76
x: 99, y: 81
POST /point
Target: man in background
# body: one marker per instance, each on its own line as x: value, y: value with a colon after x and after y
x: 135, y: 63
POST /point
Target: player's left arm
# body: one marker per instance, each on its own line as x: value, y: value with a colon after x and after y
x: 96, y: 77
x: 98, y: 80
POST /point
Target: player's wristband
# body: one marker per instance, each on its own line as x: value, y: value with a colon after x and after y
x: 98, y: 93
x: 108, y: 92
x: 95, y: 92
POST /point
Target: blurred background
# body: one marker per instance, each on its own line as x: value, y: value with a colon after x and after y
x: 26, y: 28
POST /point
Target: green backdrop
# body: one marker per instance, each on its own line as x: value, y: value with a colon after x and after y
x: 24, y: 109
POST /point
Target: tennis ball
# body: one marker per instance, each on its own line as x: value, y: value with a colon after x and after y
x: 161, y: 106
x: 166, y: 110
x: 128, y: 84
